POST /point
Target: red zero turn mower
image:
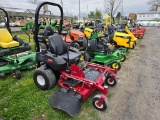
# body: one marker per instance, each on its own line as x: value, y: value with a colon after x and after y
x: 138, y: 32
x: 78, y: 82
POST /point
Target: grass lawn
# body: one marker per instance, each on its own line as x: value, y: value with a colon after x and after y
x: 22, y: 100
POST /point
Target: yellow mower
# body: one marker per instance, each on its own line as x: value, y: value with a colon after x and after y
x: 120, y: 39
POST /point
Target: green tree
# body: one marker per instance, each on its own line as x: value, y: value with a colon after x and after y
x: 154, y: 4
x: 112, y: 6
x: 75, y: 17
x: 91, y: 14
x: 98, y: 14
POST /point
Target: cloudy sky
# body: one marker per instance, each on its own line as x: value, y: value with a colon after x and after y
x: 72, y: 6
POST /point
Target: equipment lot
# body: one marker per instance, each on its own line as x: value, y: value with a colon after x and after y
x: 137, y: 97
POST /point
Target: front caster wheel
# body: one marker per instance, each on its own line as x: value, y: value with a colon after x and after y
x: 133, y: 46
x: 111, y: 83
x: 123, y: 58
x: 17, y: 74
x: 115, y: 65
x: 95, y: 101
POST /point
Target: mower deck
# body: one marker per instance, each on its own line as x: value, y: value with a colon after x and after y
x: 76, y: 89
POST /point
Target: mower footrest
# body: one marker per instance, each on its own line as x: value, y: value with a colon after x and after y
x: 66, y: 100
x: 71, y: 82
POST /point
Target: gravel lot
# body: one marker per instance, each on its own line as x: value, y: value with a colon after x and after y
x: 137, y: 95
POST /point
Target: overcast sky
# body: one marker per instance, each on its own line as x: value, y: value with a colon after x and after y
x: 72, y: 6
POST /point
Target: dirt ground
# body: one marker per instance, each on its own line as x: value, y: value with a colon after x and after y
x: 137, y: 95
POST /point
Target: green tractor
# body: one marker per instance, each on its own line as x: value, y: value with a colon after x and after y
x: 28, y: 26
x: 102, y: 54
x: 14, y: 53
x: 99, y: 36
x: 101, y: 51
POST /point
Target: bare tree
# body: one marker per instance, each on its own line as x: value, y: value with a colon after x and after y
x: 154, y: 4
x: 33, y: 1
x: 112, y: 6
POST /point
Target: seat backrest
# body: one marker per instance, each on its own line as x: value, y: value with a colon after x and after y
x: 48, y: 31
x: 57, y: 45
x: 92, y: 44
x: 110, y: 29
x: 5, y: 36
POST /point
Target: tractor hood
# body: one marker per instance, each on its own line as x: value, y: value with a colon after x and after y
x: 122, y: 34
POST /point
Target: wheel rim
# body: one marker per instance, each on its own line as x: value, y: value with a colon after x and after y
x: 100, y: 107
x: 111, y: 83
x: 115, y: 65
x: 76, y: 45
x: 40, y: 80
x: 122, y: 58
x: 81, y: 57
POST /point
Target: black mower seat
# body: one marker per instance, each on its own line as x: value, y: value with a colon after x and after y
x: 72, y: 56
x: 92, y: 44
x: 111, y: 36
x: 6, y: 40
x: 59, y: 47
x: 48, y: 31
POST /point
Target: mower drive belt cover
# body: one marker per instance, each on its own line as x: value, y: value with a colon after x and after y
x: 66, y: 100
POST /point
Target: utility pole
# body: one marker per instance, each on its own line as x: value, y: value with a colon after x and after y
x: 79, y: 10
x: 122, y: 7
x: 121, y: 10
x: 87, y: 11
x: 62, y: 3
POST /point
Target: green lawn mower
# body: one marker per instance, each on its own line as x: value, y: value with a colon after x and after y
x: 14, y: 53
x: 100, y: 37
x: 101, y: 53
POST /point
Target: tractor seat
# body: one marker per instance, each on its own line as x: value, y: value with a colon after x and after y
x: 59, y: 47
x: 111, y: 36
x: 6, y: 40
x: 92, y: 44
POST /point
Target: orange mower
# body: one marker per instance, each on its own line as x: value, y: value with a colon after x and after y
x: 74, y: 36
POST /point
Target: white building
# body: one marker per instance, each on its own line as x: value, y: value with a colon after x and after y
x: 147, y: 16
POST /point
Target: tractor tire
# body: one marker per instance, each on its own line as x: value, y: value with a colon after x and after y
x: 133, y: 46
x: 17, y: 74
x: 76, y: 45
x: 44, y: 78
x: 111, y: 84
x: 103, y: 106
x: 135, y: 43
x: 87, y: 57
x: 121, y: 48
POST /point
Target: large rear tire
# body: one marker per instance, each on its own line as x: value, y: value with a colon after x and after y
x: 44, y: 78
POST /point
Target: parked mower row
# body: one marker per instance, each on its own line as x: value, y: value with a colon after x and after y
x: 80, y: 62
